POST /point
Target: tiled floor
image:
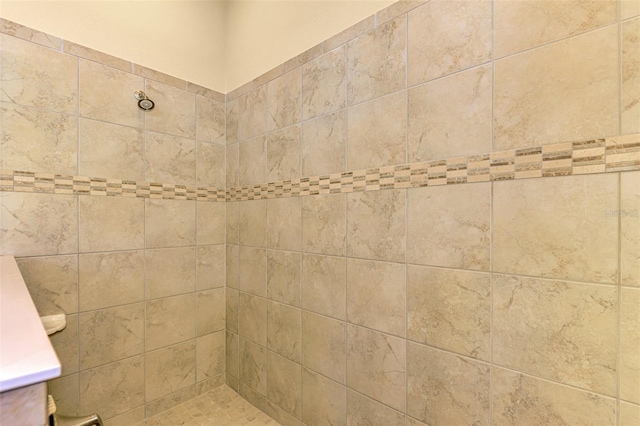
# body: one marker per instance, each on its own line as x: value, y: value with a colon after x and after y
x: 219, y: 407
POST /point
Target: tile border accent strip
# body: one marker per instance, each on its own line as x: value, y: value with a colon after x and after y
x: 606, y: 155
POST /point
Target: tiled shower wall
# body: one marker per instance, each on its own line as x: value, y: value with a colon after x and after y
x: 496, y: 278
x: 139, y: 275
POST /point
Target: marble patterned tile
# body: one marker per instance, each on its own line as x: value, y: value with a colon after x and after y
x: 253, y: 366
x: 38, y: 140
x: 232, y: 222
x: 129, y: 418
x: 175, y: 112
x: 65, y: 344
x: 324, y: 401
x: 324, y: 285
x: 110, y: 223
x: 377, y: 132
x: 629, y: 414
x: 375, y: 213
x: 67, y: 393
x: 252, y: 223
x: 283, y: 154
x: 630, y: 102
x: 172, y: 400
x: 575, y: 97
x: 95, y: 56
x: 283, y: 223
x: 324, y: 223
x: 38, y: 224
x: 324, y: 142
x: 324, y: 84
x: 232, y: 165
x: 284, y: 100
x: 446, y: 389
x: 210, y: 307
x: 284, y: 384
x: 30, y: 34
x: 252, y: 114
x: 350, y: 33
x: 210, y: 165
x: 110, y: 150
x: 324, y: 346
x: 170, y: 320
x: 541, y: 327
x: 113, y: 389
x: 520, y: 26
x: 169, y: 272
x: 283, y: 277
x: 149, y: 73
x: 232, y: 355
x: 283, y: 330
x: 169, y: 369
x: 210, y: 121
x: 170, y: 223
x: 253, y: 271
x: 449, y: 226
x: 110, y: 279
x: 629, y: 342
x: 170, y: 159
x: 630, y: 229
x: 445, y: 37
x: 112, y: 334
x: 231, y: 121
x: 252, y: 318
x: 434, y: 296
x: 376, y: 62
x: 568, y: 236
x: 252, y: 161
x: 232, y: 266
x: 210, y: 223
x: 99, y: 82
x: 520, y: 399
x: 36, y: 76
x: 231, y: 305
x: 52, y: 283
x: 434, y: 126
x: 210, y: 267
x: 210, y: 355
x: 376, y: 366
x: 365, y: 411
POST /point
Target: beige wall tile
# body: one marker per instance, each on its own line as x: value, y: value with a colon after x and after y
x: 567, y: 236
x: 175, y: 112
x: 631, y: 76
x: 324, y: 84
x: 95, y: 55
x: 283, y: 223
x: 324, y: 223
x: 371, y: 214
x: 446, y: 389
x: 110, y: 279
x: 575, y: 97
x: 324, y: 346
x: 65, y: 343
x: 170, y: 320
x: 130, y: 417
x: 169, y: 369
x: 111, y: 223
x: 541, y: 327
x: 170, y: 223
x: 364, y: 411
x: 350, y: 33
x: 252, y: 163
x: 67, y: 393
x: 210, y: 223
x: 413, y: 422
x: 252, y: 318
x: 283, y: 330
x: 110, y: 150
x: 210, y: 120
x: 376, y: 62
x: 252, y: 114
x: 520, y: 399
x: 38, y: 224
x: 113, y: 388
x: 449, y: 226
x: 448, y: 36
x: 324, y: 285
x: 283, y: 277
x: 376, y: 295
x: 210, y: 355
x: 629, y: 344
x: 232, y: 165
x: 629, y: 8
x: 232, y: 361
x: 232, y: 266
x: 169, y: 272
x: 253, y: 271
x: 252, y: 223
x: 433, y: 299
x: 210, y: 165
x: 377, y: 132
x: 37, y: 76
x: 210, y: 267
x: 629, y: 414
x: 170, y: 401
x: 170, y: 159
x: 435, y: 129
x: 232, y: 222
x: 284, y: 100
x: 381, y: 373
x: 232, y: 121
x: 159, y: 76
x: 52, y: 283
x: 630, y: 229
x: 253, y: 366
x: 111, y: 334
x: 37, y: 140
x: 324, y: 141
x: 284, y: 386
x: 522, y: 25
x: 210, y: 317
x: 324, y: 401
x: 283, y: 154
x: 231, y: 309
x: 98, y: 83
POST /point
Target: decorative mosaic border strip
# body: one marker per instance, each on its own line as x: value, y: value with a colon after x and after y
x: 608, y: 155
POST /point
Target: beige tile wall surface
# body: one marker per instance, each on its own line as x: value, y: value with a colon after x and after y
x: 374, y: 297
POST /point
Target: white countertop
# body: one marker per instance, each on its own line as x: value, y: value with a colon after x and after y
x: 26, y: 354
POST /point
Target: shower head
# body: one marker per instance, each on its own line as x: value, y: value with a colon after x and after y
x: 143, y: 101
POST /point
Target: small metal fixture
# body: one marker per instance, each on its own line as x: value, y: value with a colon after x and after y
x: 144, y: 102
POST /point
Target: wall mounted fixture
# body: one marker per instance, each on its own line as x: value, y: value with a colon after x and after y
x: 143, y: 101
